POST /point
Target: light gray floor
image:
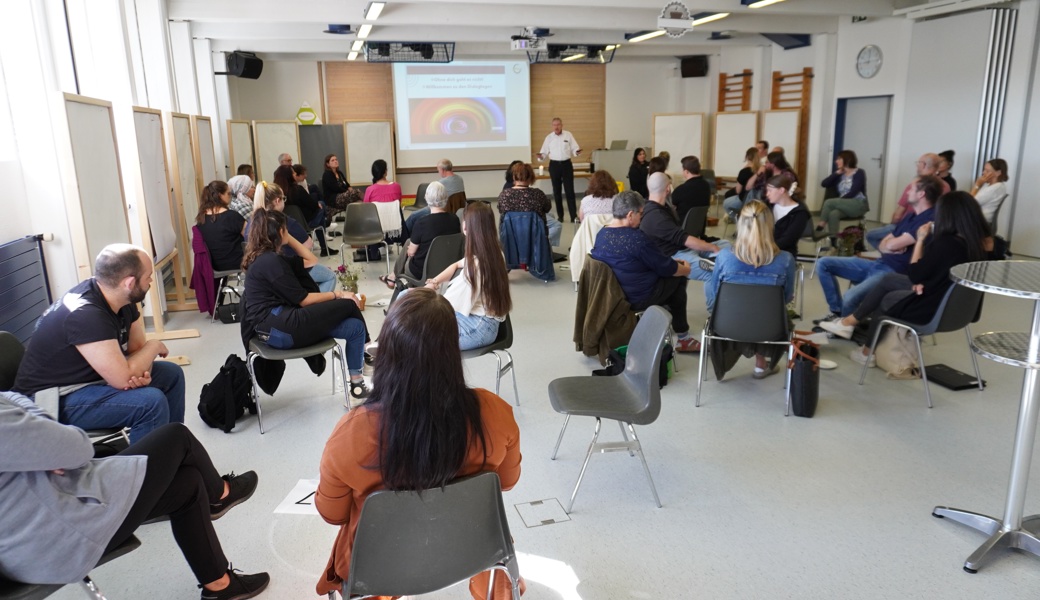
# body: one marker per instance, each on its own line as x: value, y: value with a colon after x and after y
x: 755, y: 505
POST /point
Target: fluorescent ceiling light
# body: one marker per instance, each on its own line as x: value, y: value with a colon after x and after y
x: 610, y: 47
x: 352, y: 55
x: 645, y: 36
x: 357, y: 46
x: 763, y: 3
x: 363, y: 32
x: 373, y: 11
x: 573, y: 57
x: 699, y: 20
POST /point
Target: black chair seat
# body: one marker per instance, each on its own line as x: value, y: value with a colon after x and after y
x: 269, y: 353
x: 605, y: 397
x: 14, y: 590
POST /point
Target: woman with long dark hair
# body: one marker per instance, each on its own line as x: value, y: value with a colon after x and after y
x: 335, y: 190
x: 285, y: 307
x: 382, y: 189
x: 221, y: 228
x: 958, y: 235
x: 480, y: 295
x: 421, y: 428
x: 637, y: 173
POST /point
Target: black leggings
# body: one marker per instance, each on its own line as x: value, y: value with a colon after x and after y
x: 179, y: 481
x: 670, y: 292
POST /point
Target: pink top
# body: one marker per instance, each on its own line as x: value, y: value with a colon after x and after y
x: 383, y: 193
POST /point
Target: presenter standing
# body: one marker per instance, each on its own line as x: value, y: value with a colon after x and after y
x: 560, y: 146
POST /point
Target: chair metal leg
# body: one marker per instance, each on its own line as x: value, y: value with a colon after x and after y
x: 700, y: 367
x: 256, y: 391
x: 337, y: 355
x: 91, y: 589
x: 512, y: 372
x: 584, y: 465
x: 873, y: 346
x: 624, y: 436
x: 920, y: 359
x: 646, y: 468
x: 801, y: 291
x: 560, y: 439
x: 974, y: 359
x: 819, y: 250
x: 790, y: 357
x: 387, y: 246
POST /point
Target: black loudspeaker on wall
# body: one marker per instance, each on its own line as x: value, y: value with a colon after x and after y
x: 245, y: 64
x: 693, y: 66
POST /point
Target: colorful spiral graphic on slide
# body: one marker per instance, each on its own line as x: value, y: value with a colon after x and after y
x: 437, y: 120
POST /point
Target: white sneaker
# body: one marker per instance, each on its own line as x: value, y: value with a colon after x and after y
x: 857, y: 356
x: 837, y: 328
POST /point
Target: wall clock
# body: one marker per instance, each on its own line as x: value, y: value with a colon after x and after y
x: 868, y: 61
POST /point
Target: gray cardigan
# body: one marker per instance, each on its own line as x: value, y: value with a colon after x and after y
x: 54, y: 528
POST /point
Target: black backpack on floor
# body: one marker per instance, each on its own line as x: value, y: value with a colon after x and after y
x: 225, y: 399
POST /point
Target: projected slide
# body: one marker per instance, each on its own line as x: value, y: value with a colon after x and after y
x: 472, y: 112
x: 437, y: 120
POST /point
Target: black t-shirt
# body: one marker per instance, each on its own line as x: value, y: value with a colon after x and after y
x: 297, y: 196
x: 272, y: 282
x: 429, y: 227
x: 223, y: 236
x: 693, y: 192
x: 81, y: 316
x: 742, y: 178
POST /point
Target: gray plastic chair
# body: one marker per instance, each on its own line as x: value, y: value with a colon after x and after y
x: 14, y: 590
x: 960, y: 307
x: 751, y: 314
x: 409, y: 543
x: 631, y: 398
x: 420, y: 198
x: 503, y: 342
x: 362, y: 228
x: 695, y: 221
x: 444, y: 250
x: 258, y: 349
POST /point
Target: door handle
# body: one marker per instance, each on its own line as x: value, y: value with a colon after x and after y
x: 880, y: 159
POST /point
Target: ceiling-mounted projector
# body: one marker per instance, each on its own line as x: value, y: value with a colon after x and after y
x: 530, y: 44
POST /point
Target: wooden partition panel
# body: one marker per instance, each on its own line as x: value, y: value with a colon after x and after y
x: 576, y: 94
x: 358, y: 91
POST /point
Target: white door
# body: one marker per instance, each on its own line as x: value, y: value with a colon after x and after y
x: 866, y: 134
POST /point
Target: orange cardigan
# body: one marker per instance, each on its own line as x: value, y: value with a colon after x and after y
x: 347, y: 477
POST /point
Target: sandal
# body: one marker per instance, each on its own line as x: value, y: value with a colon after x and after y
x: 390, y: 283
x: 359, y: 389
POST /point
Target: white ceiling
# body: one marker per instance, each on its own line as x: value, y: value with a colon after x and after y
x: 278, y: 30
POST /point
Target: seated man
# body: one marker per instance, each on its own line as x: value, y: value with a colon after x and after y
x: 896, y: 249
x: 89, y: 350
x: 928, y: 164
x: 694, y: 191
x: 438, y: 222
x: 661, y: 224
x: 452, y: 183
x: 647, y: 276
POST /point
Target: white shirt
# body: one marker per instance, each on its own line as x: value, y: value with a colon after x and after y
x: 560, y: 147
x: 989, y: 197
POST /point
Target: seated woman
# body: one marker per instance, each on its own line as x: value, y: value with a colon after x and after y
x: 524, y: 198
x: 851, y: 184
x: 945, y: 164
x: 776, y: 164
x: 270, y: 196
x: 242, y: 189
x: 989, y: 189
x: 599, y: 198
x: 420, y: 429
x: 335, y: 190
x: 61, y: 509
x: 382, y: 190
x: 221, y: 228
x: 509, y: 174
x: 313, y: 210
x: 958, y: 235
x: 636, y: 175
x: 480, y: 295
x: 735, y: 196
x: 754, y: 258
x: 789, y: 215
x: 439, y: 222
x: 284, y: 306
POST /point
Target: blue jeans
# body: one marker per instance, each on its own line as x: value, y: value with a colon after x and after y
x: 692, y: 257
x: 555, y: 230
x: 732, y: 205
x: 476, y: 331
x: 142, y: 409
x: 415, y: 217
x: 351, y: 331
x: 874, y: 236
x: 324, y: 277
x: 864, y: 273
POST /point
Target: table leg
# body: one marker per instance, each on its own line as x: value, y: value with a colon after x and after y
x: 1011, y: 531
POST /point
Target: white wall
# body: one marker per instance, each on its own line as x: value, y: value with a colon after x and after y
x: 636, y: 89
x: 282, y: 88
x: 1020, y: 143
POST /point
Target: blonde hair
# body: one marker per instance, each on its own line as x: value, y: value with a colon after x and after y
x: 754, y: 244
x: 266, y: 194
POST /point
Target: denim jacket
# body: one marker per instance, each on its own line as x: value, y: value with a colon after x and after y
x: 729, y: 268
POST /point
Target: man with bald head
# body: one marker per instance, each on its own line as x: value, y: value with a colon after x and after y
x: 928, y: 164
x: 88, y: 361
x: 661, y: 224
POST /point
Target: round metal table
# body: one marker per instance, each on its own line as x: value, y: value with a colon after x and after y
x: 1018, y: 279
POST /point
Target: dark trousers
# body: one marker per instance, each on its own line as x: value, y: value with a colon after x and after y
x: 562, y: 173
x: 670, y: 292
x: 179, y: 481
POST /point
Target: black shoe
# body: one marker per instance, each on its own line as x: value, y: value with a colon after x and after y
x: 329, y: 252
x: 336, y: 233
x: 242, y: 586
x: 359, y: 389
x: 240, y: 488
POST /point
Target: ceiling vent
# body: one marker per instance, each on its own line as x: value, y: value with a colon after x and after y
x: 789, y: 41
x: 935, y: 8
x: 410, y: 52
x: 579, y: 54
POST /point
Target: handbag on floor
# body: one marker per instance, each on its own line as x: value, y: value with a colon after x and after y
x: 805, y: 377
x: 896, y: 353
